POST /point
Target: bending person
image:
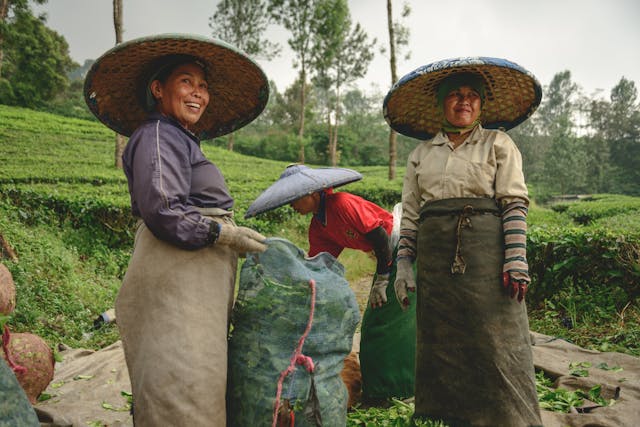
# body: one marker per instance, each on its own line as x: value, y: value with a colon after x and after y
x: 343, y: 220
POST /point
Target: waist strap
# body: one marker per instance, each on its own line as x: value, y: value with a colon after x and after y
x: 467, y: 206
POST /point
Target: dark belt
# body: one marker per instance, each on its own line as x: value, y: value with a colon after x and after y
x: 460, y: 206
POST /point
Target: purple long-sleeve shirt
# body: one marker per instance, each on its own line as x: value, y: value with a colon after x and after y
x: 169, y: 178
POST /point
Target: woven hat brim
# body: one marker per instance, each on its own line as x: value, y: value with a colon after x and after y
x: 238, y: 88
x: 307, y: 181
x: 512, y: 94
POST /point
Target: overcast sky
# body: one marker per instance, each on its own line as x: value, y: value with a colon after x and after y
x: 597, y: 40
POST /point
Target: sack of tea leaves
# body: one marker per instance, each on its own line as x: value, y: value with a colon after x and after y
x: 269, y: 318
x: 15, y: 409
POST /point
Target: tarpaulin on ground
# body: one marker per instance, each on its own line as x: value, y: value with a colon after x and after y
x: 86, y: 379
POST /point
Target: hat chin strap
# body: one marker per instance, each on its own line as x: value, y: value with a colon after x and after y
x: 449, y: 128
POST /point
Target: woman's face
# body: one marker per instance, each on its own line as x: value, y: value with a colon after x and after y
x: 184, y: 95
x: 306, y: 204
x: 462, y: 106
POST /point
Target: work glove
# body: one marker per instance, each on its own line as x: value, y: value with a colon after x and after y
x: 378, y: 294
x: 514, y: 287
x: 405, y: 281
x: 515, y: 271
x: 241, y: 239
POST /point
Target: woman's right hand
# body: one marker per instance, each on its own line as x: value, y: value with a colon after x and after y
x: 241, y: 239
x: 405, y: 281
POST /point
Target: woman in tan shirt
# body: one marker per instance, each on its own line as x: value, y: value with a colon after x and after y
x: 464, y: 209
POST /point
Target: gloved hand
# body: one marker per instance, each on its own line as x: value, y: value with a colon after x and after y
x: 241, y: 239
x: 378, y: 294
x: 515, y: 286
x: 405, y: 281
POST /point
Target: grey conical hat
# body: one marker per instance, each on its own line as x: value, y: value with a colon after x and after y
x: 298, y: 181
x: 115, y: 86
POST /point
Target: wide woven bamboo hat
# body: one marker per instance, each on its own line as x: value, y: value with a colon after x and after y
x: 512, y: 94
x: 298, y: 181
x: 115, y: 86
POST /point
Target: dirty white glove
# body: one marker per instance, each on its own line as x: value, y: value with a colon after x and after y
x: 405, y: 281
x: 241, y: 239
x: 378, y: 294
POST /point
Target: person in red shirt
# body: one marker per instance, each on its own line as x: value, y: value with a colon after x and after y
x: 343, y: 220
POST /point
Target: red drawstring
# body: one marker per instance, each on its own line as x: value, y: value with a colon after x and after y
x: 297, y: 358
x: 17, y: 369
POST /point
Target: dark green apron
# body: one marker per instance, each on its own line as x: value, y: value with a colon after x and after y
x: 388, y: 347
x: 474, y: 364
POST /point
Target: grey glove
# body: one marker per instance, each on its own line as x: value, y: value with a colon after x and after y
x: 241, y: 239
x: 405, y: 281
x: 378, y: 294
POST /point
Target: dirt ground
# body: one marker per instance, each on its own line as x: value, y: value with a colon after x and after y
x: 361, y: 288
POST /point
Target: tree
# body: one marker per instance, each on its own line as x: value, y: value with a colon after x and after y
x: 618, y: 123
x: 242, y: 23
x: 35, y: 63
x: 8, y: 7
x: 117, y: 24
x: 341, y: 55
x: 297, y: 16
x: 565, y: 164
x: 398, y: 38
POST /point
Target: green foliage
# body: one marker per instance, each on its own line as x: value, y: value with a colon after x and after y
x: 563, y: 400
x: 36, y: 60
x: 398, y: 414
x: 601, y: 206
x: 59, y: 291
x: 242, y: 23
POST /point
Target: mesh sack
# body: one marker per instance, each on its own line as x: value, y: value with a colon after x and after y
x: 15, y: 409
x: 269, y: 318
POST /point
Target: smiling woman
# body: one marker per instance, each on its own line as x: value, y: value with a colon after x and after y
x: 174, y: 304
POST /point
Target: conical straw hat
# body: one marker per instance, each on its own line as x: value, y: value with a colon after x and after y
x: 512, y: 94
x: 115, y: 86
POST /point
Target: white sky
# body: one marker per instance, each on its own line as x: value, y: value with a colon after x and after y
x: 597, y: 40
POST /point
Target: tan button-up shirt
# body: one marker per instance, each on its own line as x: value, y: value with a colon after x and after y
x: 486, y: 164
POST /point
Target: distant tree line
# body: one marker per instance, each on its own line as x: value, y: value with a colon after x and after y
x: 574, y: 143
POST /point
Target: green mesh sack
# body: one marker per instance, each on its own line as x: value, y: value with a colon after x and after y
x: 15, y: 409
x: 270, y: 316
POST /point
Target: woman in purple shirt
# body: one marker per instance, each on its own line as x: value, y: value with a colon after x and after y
x: 174, y: 304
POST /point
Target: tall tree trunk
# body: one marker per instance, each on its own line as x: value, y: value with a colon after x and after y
x: 230, y: 142
x: 330, y: 135
x: 334, y: 138
x: 303, y: 84
x: 117, y: 23
x: 394, y: 77
x: 4, y: 11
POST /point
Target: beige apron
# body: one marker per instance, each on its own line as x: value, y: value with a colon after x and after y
x: 173, y: 315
